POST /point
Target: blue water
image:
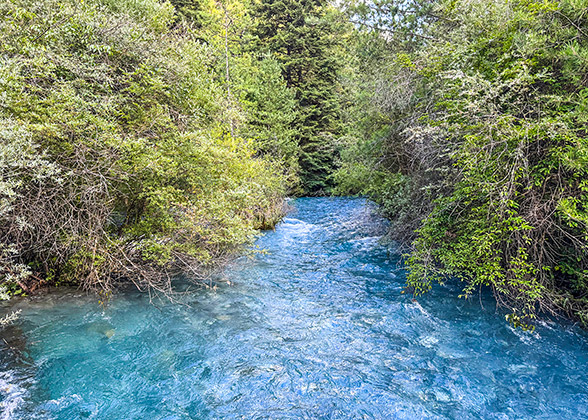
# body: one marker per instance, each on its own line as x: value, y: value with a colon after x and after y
x: 316, y: 328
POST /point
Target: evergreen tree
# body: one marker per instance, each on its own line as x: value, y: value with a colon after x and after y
x: 271, y: 112
x: 194, y: 11
x: 301, y: 35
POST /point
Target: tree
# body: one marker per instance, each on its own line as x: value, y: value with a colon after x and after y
x: 194, y: 11
x: 271, y: 109
x: 301, y: 35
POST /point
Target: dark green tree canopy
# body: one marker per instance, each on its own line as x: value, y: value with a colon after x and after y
x: 302, y: 36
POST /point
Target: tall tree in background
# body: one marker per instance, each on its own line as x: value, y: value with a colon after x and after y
x: 301, y: 35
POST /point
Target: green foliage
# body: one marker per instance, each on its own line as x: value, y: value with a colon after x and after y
x: 256, y: 103
x: 115, y: 158
x: 272, y: 113
x: 400, y: 22
x: 194, y: 11
x: 302, y: 36
x: 483, y: 120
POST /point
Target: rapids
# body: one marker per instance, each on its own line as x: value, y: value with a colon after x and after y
x: 314, y: 327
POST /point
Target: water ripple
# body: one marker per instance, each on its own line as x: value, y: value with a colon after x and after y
x: 317, y: 328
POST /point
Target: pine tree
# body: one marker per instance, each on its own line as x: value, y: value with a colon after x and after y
x: 192, y: 10
x: 301, y: 36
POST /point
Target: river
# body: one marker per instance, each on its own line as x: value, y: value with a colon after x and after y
x: 315, y: 327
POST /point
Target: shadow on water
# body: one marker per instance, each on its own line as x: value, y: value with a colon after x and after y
x: 315, y: 328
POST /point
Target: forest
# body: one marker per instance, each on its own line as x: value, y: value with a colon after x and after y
x: 140, y: 139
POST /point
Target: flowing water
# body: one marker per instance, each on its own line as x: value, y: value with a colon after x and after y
x: 316, y: 328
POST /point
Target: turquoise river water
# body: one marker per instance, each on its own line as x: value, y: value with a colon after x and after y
x: 316, y: 328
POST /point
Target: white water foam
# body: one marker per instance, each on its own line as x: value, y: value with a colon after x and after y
x: 13, y: 395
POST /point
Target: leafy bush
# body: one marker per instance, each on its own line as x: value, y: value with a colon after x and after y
x: 491, y: 135
x: 115, y: 160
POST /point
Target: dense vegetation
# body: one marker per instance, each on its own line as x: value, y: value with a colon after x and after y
x: 474, y: 142
x: 116, y: 153
x: 140, y: 138
x: 302, y: 37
